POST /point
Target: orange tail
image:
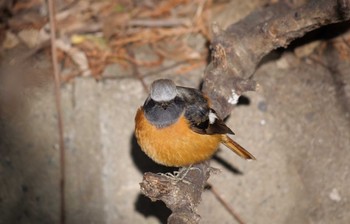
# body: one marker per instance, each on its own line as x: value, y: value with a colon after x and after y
x: 235, y: 147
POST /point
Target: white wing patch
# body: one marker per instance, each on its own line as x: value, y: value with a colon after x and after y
x: 212, y: 117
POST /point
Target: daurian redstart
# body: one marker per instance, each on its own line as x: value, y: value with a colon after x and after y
x: 176, y: 126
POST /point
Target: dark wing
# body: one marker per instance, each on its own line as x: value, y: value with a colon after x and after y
x: 216, y: 125
x: 202, y: 118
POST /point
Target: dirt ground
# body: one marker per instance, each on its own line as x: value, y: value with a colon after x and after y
x: 297, y: 125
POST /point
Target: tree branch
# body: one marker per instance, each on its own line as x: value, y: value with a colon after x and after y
x: 237, y: 50
x: 181, y: 197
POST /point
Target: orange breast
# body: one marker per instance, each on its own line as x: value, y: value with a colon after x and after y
x: 176, y: 145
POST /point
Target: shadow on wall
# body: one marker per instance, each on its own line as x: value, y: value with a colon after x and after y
x: 144, y: 164
x: 29, y: 177
x: 29, y: 173
x: 148, y: 208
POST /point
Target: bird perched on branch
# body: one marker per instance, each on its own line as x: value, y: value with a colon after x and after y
x: 176, y: 126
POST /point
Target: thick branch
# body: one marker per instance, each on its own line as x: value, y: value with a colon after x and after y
x: 238, y: 50
x: 182, y: 197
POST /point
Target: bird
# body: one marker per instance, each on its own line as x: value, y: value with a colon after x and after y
x: 176, y: 127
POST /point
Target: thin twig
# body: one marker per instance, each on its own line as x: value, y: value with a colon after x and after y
x: 58, y: 108
x: 147, y: 74
x: 225, y: 204
x: 160, y: 22
x: 163, y: 69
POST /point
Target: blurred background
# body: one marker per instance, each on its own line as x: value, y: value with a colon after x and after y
x: 297, y: 124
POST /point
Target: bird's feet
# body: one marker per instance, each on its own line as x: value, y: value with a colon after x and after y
x: 180, y: 174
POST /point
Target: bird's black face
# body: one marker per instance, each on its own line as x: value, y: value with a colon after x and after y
x: 165, y: 113
x: 165, y: 105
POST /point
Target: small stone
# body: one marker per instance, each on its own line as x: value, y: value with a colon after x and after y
x: 11, y: 40
x: 334, y: 195
x: 306, y: 49
x: 282, y: 63
x: 30, y: 37
x: 262, y: 106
